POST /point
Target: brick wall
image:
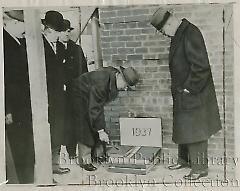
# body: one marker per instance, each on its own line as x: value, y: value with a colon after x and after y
x: 128, y: 39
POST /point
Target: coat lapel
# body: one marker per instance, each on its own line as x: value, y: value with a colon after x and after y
x: 177, y: 38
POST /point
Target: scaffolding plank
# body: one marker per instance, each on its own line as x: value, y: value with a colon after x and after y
x: 38, y: 89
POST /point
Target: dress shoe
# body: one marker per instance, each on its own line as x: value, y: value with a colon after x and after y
x: 88, y: 167
x: 177, y: 166
x: 61, y: 171
x: 195, y: 176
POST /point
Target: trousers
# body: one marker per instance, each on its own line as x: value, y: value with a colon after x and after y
x: 194, y: 154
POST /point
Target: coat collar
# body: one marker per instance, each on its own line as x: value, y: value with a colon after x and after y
x: 177, y: 37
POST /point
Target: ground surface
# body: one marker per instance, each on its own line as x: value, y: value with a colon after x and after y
x: 158, y: 174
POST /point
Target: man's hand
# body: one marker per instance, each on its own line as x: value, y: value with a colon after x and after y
x: 8, y: 119
x: 103, y: 136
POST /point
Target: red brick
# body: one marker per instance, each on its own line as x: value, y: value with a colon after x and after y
x: 125, y: 50
x: 141, y: 37
x: 140, y: 11
x: 141, y: 50
x: 116, y: 33
x: 133, y: 44
x: 125, y: 38
x: 118, y: 44
x: 108, y: 14
x: 135, y: 57
x: 133, y: 31
x: 124, y: 12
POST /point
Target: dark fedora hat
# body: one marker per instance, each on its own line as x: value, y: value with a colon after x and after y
x: 130, y: 75
x: 66, y: 25
x: 53, y: 20
x: 160, y: 17
x: 15, y: 14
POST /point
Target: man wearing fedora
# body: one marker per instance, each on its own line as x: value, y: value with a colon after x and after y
x: 90, y: 92
x: 195, y: 109
x: 53, y: 24
x: 75, y: 64
x: 18, y: 113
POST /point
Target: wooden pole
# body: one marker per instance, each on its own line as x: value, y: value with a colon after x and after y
x: 38, y: 89
x: 2, y: 109
x: 96, y: 40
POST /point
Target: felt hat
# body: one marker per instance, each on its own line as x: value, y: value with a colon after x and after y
x: 130, y: 75
x: 160, y: 17
x: 66, y: 25
x: 16, y: 14
x: 53, y: 20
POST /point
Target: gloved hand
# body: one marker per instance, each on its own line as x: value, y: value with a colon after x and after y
x: 103, y: 136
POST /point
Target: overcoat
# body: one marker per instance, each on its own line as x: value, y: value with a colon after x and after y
x: 195, y: 114
x: 91, y: 91
x: 75, y: 64
x: 17, y: 102
x: 55, y: 88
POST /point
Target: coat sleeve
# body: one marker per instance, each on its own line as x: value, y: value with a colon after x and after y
x: 83, y: 61
x: 196, y: 53
x: 97, y: 101
x: 80, y: 61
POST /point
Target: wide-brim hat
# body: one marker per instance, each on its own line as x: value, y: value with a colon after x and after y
x: 130, y: 75
x: 160, y: 17
x: 66, y: 25
x: 53, y: 20
x: 15, y: 14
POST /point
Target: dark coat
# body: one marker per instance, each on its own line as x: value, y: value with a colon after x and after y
x: 195, y: 115
x: 91, y: 91
x: 75, y: 64
x: 55, y: 88
x: 18, y: 103
x: 17, y: 87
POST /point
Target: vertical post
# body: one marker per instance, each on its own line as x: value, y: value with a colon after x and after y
x: 2, y: 109
x: 224, y: 100
x: 38, y: 89
x: 96, y: 40
x: 236, y: 16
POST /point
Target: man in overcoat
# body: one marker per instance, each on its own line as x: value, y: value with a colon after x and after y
x: 75, y: 64
x: 53, y: 23
x: 19, y: 132
x: 91, y: 91
x: 195, y: 109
